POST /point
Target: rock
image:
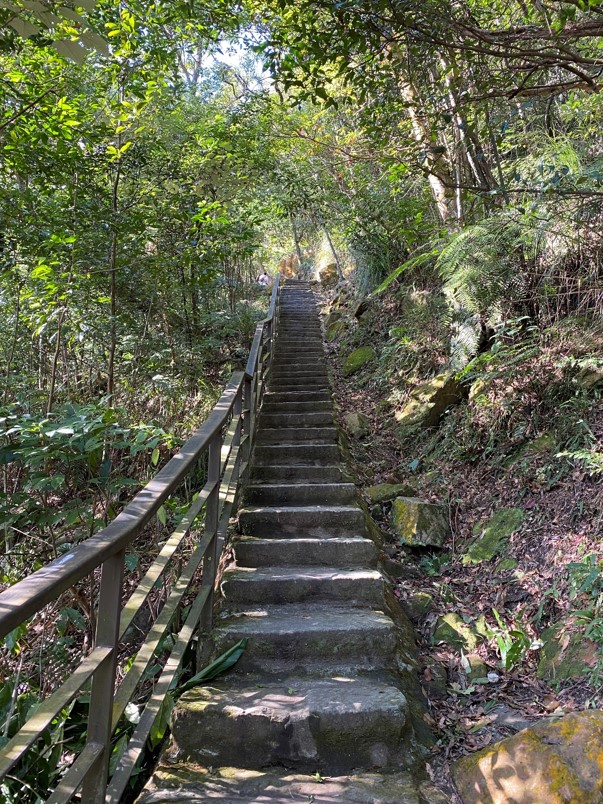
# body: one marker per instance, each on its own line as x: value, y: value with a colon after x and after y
x: 357, y: 424
x: 477, y: 667
x: 420, y: 523
x: 454, y: 631
x: 506, y: 564
x: 557, y: 762
x: 435, y: 680
x: 565, y: 654
x: 428, y: 402
x: 361, y: 308
x: 589, y: 376
x: 357, y: 359
x: 328, y: 275
x: 492, y: 539
x: 335, y: 330
x: 418, y: 605
x: 544, y: 443
x: 333, y: 317
x: 387, y: 491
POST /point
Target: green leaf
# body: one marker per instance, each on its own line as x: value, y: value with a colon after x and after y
x: 220, y: 665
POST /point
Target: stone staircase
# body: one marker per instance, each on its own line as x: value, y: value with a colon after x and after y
x: 314, y: 710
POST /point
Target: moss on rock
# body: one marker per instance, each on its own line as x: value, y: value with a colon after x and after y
x: 556, y: 763
x: 420, y: 523
x: 493, y: 537
x: 357, y: 359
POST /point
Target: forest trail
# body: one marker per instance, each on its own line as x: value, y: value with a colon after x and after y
x: 314, y: 710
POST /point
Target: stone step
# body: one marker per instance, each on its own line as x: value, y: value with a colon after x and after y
x: 290, y: 635
x: 289, y: 584
x: 334, y: 724
x: 300, y: 454
x: 281, y: 375
x: 290, y: 435
x: 315, y: 395
x: 287, y: 408
x: 177, y: 783
x: 294, y: 473
x: 300, y: 418
x: 309, y: 520
x: 299, y: 384
x: 300, y: 494
x: 313, y: 361
x: 350, y: 551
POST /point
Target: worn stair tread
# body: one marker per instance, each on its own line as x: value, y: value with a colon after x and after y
x: 178, y: 783
x: 251, y: 551
x: 337, y: 723
x: 296, y: 473
x: 300, y: 493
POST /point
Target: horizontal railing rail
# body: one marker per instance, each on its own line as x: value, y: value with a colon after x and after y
x: 223, y: 443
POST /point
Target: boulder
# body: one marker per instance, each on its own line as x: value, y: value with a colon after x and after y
x: 387, y: 491
x: 420, y: 523
x: 333, y: 317
x: 357, y: 424
x: 289, y: 266
x: 589, y: 376
x: 361, y: 308
x: 453, y: 630
x: 357, y: 359
x: 565, y: 653
x: 428, y: 402
x: 491, y: 538
x: 328, y: 275
x: 558, y: 762
x: 335, y: 330
x: 418, y: 605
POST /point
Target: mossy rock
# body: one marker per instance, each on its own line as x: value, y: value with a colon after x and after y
x: 387, y: 491
x: 328, y: 275
x: 558, y: 762
x: 333, y: 318
x: 453, y: 630
x: 493, y: 538
x: 565, y: 655
x: 427, y: 404
x: 478, y: 669
x: 335, y: 331
x: 357, y: 424
x: 418, y: 605
x: 357, y: 359
x: 419, y: 523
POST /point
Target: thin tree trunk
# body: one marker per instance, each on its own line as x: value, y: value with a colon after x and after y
x: 295, y: 238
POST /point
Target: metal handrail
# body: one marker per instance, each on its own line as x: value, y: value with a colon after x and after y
x: 226, y: 437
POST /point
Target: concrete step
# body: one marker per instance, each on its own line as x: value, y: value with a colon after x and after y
x: 193, y: 784
x: 309, y: 520
x: 315, y: 395
x: 289, y: 584
x: 290, y: 635
x: 350, y: 551
x: 299, y: 418
x: 290, y: 435
x: 300, y: 454
x: 313, y: 361
x: 300, y: 494
x: 335, y: 724
x: 287, y: 408
x: 299, y: 384
x: 294, y: 473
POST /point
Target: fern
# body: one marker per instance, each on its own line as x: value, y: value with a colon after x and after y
x: 479, y: 267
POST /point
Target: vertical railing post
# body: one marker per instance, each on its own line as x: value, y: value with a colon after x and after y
x: 103, y: 683
x: 246, y: 424
x: 212, y: 506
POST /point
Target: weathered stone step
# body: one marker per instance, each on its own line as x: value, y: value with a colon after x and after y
x: 334, y: 725
x: 178, y: 783
x: 353, y: 586
x: 294, y: 473
x: 310, y: 520
x: 289, y: 435
x: 301, y: 419
x: 350, y: 551
x: 300, y: 494
x: 270, y: 408
x: 315, y: 395
x: 310, y: 373
x: 306, y: 454
x: 308, y: 362
x: 295, y: 634
x: 299, y: 384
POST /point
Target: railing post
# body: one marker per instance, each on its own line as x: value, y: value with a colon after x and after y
x: 212, y: 506
x: 246, y: 422
x: 103, y: 683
